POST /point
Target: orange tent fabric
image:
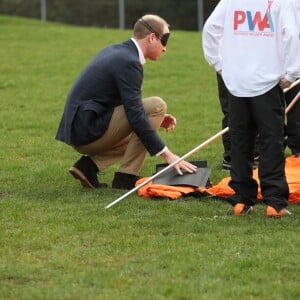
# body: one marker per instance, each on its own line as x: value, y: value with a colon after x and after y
x: 222, y: 190
x: 292, y: 171
x: 159, y: 190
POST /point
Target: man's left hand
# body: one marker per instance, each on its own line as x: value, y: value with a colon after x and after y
x: 169, y: 122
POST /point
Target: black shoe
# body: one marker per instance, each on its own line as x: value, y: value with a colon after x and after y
x: 226, y: 164
x: 124, y: 181
x: 86, y: 171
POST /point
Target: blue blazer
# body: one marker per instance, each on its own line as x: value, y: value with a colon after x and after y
x: 114, y: 77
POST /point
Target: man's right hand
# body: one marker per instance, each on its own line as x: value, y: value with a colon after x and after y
x: 183, y: 165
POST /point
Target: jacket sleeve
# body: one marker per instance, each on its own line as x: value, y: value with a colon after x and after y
x: 212, y: 36
x: 291, y: 42
x: 129, y: 84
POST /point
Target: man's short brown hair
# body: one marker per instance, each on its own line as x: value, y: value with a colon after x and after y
x: 157, y: 23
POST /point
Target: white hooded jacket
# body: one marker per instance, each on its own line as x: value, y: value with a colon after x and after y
x: 254, y: 43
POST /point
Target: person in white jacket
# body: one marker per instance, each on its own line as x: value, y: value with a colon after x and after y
x: 293, y: 116
x: 254, y: 45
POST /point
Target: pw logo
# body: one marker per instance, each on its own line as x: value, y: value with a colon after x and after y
x: 246, y: 20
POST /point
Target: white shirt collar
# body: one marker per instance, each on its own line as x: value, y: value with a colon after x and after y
x: 141, y: 54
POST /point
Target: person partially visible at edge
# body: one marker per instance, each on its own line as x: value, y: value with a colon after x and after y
x: 105, y: 117
x: 293, y: 116
x: 258, y: 58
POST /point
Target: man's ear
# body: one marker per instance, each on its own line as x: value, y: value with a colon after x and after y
x: 151, y: 37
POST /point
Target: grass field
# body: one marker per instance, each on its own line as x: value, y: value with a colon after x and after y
x: 56, y: 239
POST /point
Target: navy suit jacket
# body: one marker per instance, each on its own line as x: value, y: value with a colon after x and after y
x: 114, y: 77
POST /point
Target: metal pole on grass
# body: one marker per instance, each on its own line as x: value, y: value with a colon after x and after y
x: 169, y: 166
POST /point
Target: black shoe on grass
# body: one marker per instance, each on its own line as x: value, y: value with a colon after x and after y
x: 124, y: 181
x: 86, y: 172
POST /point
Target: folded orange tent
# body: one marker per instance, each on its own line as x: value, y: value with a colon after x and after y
x: 222, y: 190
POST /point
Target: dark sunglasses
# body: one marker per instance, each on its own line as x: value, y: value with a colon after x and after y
x: 163, y: 38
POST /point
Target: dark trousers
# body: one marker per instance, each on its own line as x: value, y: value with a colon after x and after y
x: 224, y: 102
x: 224, y: 98
x: 293, y: 122
x: 263, y: 114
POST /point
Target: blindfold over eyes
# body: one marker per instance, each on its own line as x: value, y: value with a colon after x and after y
x: 163, y: 38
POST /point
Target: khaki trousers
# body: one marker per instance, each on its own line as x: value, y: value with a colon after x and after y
x: 119, y: 143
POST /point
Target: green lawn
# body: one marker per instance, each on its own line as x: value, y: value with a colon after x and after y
x: 56, y: 239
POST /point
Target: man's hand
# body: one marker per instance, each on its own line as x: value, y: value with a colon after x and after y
x: 169, y: 122
x: 181, y: 166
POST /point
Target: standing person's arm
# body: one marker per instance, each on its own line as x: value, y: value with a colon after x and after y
x: 291, y: 46
x: 212, y: 35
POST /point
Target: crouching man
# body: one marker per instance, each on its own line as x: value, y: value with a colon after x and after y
x: 105, y: 117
